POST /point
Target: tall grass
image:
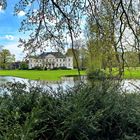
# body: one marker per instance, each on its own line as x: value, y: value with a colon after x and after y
x: 99, y: 112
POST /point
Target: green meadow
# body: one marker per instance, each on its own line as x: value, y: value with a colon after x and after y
x: 40, y: 75
x: 130, y: 73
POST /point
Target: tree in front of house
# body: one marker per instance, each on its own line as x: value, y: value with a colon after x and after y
x: 70, y: 53
x: 79, y: 54
x: 23, y: 65
x: 6, y: 58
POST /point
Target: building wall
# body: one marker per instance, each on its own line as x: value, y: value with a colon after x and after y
x: 50, y: 62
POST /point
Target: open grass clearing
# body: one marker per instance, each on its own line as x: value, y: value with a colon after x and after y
x: 40, y: 75
x: 130, y: 73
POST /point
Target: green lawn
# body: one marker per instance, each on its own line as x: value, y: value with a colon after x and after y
x: 40, y: 75
x: 131, y: 73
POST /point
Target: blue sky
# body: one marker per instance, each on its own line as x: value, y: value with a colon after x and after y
x: 9, y: 29
x: 9, y: 26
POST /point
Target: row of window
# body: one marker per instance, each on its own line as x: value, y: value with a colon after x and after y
x: 50, y: 60
x: 56, y: 65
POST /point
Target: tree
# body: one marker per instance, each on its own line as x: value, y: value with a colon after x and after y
x: 75, y: 59
x: 51, y: 21
x: 106, y: 39
x: 100, y: 44
x: 3, y: 4
x: 83, y: 58
x: 6, y: 58
x: 81, y: 53
x: 23, y: 65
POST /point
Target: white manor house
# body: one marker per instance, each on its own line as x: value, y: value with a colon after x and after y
x: 50, y: 60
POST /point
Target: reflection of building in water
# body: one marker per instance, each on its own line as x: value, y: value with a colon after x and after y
x: 74, y: 78
x: 65, y: 82
x: 50, y: 60
x: 45, y: 82
x: 126, y: 85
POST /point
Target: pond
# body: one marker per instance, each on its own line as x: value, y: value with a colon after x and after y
x: 65, y: 82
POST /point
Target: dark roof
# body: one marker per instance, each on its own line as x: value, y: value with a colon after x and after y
x: 55, y: 54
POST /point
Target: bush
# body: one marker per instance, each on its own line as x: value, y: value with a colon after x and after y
x: 100, y: 112
x: 60, y: 68
x: 64, y: 68
x: 96, y: 75
x: 23, y: 66
x: 55, y: 68
x: 37, y: 68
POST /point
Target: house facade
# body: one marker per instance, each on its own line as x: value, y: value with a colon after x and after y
x: 51, y: 60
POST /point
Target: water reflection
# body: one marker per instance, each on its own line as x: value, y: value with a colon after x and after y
x: 65, y: 82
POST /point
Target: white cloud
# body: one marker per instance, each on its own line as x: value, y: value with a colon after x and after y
x: 1, y: 10
x: 21, y: 13
x: 9, y: 37
x: 18, y: 52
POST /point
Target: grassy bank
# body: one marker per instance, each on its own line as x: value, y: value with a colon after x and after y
x: 40, y: 75
x: 131, y: 73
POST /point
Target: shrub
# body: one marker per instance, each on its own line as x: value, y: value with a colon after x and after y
x: 84, y: 112
x: 60, y: 68
x: 37, y: 68
x: 96, y: 75
x: 23, y: 66
x: 55, y: 68
x: 64, y: 68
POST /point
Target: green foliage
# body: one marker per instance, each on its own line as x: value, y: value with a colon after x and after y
x: 6, y: 58
x: 131, y: 58
x: 23, y: 66
x: 96, y: 75
x: 37, y: 68
x: 70, y: 53
x: 100, y: 112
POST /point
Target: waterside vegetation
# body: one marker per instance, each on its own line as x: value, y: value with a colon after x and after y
x: 84, y: 112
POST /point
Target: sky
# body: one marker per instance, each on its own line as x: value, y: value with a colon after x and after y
x: 9, y: 29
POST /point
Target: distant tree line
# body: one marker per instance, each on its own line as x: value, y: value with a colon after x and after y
x: 7, y: 61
